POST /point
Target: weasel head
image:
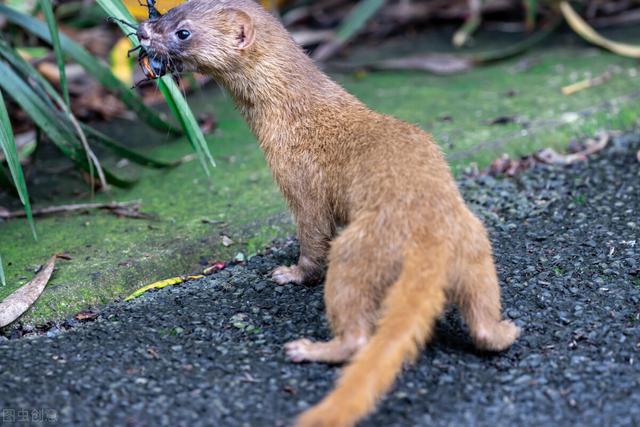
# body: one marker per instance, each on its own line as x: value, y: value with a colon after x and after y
x: 208, y: 36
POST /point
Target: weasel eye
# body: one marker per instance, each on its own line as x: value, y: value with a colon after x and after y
x: 183, y: 34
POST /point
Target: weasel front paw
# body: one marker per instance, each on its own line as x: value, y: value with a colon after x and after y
x: 283, y: 275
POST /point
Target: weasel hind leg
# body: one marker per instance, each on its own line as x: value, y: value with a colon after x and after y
x: 337, y: 350
x: 357, y: 279
x: 478, y: 296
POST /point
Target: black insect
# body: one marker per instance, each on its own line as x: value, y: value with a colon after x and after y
x: 153, y: 68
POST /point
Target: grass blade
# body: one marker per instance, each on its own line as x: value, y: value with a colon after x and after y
x: 47, y: 93
x: 181, y: 110
x: 50, y: 18
x: 357, y: 19
x: 8, y: 145
x: 45, y: 90
x: 125, y: 152
x: 3, y: 280
x: 170, y: 90
x: 350, y: 26
x: 93, y: 67
x: 52, y: 122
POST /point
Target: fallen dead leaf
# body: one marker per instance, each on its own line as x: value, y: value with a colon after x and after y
x: 504, y: 165
x: 226, y: 240
x: 153, y: 352
x: 162, y: 284
x: 18, y: 302
x: 217, y: 266
x: 86, y: 315
x: 592, y: 146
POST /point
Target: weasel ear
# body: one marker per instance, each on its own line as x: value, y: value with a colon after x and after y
x: 244, y: 31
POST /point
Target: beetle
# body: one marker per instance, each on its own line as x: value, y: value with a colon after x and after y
x: 153, y: 68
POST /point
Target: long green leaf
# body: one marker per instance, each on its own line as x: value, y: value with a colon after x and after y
x: 50, y: 121
x: 350, y: 26
x: 181, y: 109
x: 117, y: 9
x: 45, y: 90
x: 50, y: 18
x: 95, y: 68
x: 125, y: 152
x: 3, y: 280
x: 8, y: 145
x: 170, y: 90
x: 357, y: 18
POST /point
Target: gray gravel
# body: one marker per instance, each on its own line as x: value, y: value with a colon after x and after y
x: 567, y: 245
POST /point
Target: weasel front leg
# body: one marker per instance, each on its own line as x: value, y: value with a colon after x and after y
x: 314, y: 235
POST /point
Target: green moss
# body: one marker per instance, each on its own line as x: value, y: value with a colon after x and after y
x: 112, y: 256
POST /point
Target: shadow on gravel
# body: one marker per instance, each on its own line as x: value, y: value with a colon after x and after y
x: 567, y: 246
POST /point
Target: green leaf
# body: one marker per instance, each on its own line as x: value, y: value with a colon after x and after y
x: 349, y: 27
x: 181, y: 110
x: 47, y: 9
x: 357, y: 19
x: 45, y: 90
x: 125, y: 152
x: 51, y: 121
x: 100, y: 72
x: 169, y: 89
x: 116, y: 9
x: 3, y: 280
x: 8, y: 145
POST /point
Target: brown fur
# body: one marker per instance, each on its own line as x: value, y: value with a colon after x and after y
x: 409, y: 246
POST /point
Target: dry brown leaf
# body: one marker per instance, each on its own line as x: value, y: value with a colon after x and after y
x: 86, y: 315
x: 226, y: 241
x: 551, y: 156
x: 504, y: 165
x: 18, y: 302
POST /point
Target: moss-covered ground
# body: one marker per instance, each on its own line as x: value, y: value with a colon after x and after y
x: 111, y: 256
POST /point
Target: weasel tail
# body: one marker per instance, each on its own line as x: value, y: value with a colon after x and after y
x: 411, y: 308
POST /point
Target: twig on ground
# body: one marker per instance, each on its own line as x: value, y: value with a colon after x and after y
x: 586, y: 84
x: 123, y: 209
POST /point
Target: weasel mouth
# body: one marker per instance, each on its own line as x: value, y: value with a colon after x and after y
x: 159, y: 65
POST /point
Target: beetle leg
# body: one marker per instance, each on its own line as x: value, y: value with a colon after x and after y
x: 130, y: 51
x: 123, y: 22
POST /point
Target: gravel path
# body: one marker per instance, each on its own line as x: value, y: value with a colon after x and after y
x: 567, y: 245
